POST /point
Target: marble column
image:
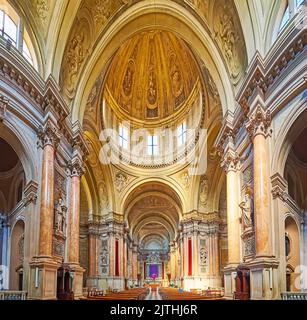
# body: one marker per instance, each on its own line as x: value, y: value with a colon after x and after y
x: 125, y: 257
x: 182, y: 259
x: 75, y: 171
x: 92, y: 254
x: 233, y: 215
x: 4, y: 271
x: 43, y: 268
x: 47, y: 202
x: 195, y: 253
x: 258, y: 128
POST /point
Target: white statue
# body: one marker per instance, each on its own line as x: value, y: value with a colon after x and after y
x: 203, y: 195
x: 247, y: 209
x: 60, y: 215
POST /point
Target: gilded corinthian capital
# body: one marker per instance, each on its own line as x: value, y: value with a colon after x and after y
x: 230, y: 161
x: 75, y: 168
x: 48, y: 135
x: 259, y: 122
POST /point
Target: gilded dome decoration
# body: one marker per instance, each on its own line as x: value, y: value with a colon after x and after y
x: 151, y: 76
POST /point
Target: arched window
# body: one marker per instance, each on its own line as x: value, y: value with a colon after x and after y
x: 299, y: 2
x: 13, y: 31
x: 285, y: 19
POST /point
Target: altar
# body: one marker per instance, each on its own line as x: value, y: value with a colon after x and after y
x: 154, y: 270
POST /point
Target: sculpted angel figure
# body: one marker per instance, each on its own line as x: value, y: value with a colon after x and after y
x: 75, y: 56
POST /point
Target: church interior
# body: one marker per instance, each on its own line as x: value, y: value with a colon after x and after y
x: 153, y: 149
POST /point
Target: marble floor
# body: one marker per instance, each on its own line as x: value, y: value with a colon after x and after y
x: 154, y: 295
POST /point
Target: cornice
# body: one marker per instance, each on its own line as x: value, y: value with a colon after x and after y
x: 279, y: 187
x: 30, y: 193
x: 263, y: 73
x: 46, y: 96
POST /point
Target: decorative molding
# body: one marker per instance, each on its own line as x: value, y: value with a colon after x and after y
x: 30, y: 193
x: 3, y: 107
x: 279, y: 186
x: 263, y: 74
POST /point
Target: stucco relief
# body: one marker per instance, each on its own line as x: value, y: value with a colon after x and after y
x: 202, y: 6
x: 229, y: 36
x: 104, y: 257
x: 75, y: 56
x: 92, y: 16
x: 42, y: 9
x: 103, y: 198
x: 121, y: 180
x: 185, y: 180
x: 203, y: 191
x: 226, y: 31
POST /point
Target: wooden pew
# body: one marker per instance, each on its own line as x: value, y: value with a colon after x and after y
x: 133, y: 294
x: 174, y: 294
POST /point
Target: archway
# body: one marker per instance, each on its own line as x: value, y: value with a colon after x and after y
x: 292, y: 245
x: 17, y: 256
x: 152, y: 213
x: 293, y: 162
x: 12, y: 183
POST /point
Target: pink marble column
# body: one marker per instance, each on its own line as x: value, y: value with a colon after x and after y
x: 182, y: 259
x: 112, y: 255
x: 92, y: 255
x: 49, y: 139
x: 125, y: 258
x: 195, y: 253
x: 233, y: 215
x: 74, y: 213
x: 259, y: 129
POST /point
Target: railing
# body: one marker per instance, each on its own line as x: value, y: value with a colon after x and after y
x: 13, y: 295
x: 294, y: 295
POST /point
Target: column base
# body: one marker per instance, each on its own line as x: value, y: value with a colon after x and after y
x: 230, y: 273
x: 43, y: 279
x: 76, y: 273
x: 263, y: 278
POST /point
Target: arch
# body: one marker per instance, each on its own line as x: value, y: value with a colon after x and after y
x: 142, y: 183
x: 292, y: 232
x: 17, y: 255
x: 165, y: 15
x: 290, y: 128
x: 11, y: 133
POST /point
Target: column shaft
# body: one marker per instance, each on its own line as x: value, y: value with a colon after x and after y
x: 261, y: 195
x: 74, y: 221
x: 47, y: 202
x: 233, y: 223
